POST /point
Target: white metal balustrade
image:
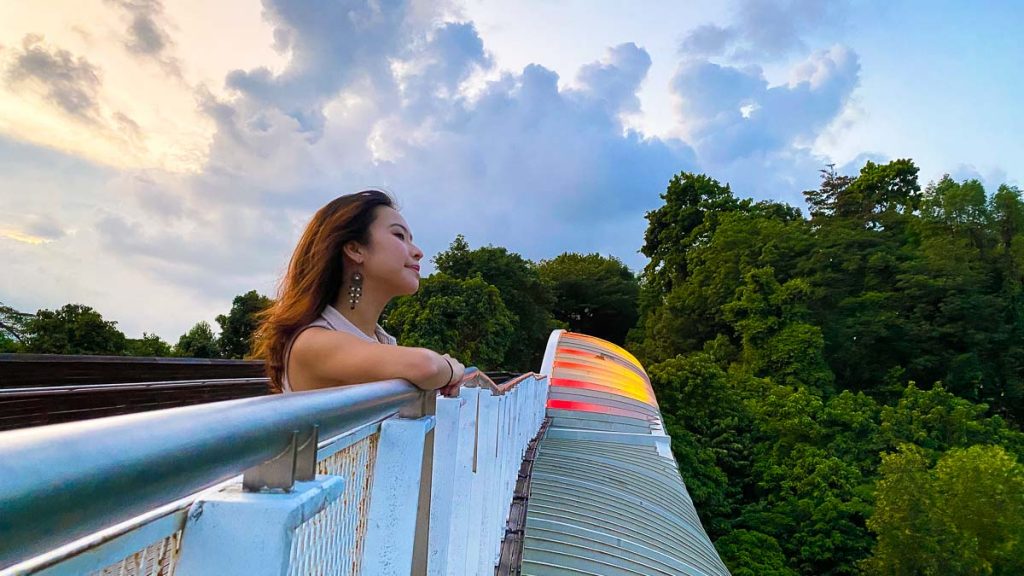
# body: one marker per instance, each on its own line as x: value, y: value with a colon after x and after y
x: 368, y: 479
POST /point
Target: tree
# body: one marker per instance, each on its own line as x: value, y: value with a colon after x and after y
x: 148, y: 345
x: 521, y: 290
x: 909, y: 541
x: 964, y: 516
x: 822, y: 202
x: 238, y: 326
x: 73, y: 329
x: 731, y: 243
x: 198, y: 342
x: 593, y: 294
x: 878, y: 189
x: 709, y: 425
x: 778, y: 341
x: 936, y: 420
x: 12, y: 328
x: 12, y: 324
x: 465, y: 318
x: 751, y: 553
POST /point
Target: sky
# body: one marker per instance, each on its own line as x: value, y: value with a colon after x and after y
x: 159, y: 158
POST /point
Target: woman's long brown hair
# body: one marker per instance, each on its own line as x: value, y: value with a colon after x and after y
x: 314, y: 276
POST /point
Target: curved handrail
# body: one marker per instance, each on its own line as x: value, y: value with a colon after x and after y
x: 127, y: 465
x: 474, y: 378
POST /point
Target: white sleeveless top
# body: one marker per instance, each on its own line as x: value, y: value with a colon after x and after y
x: 331, y: 319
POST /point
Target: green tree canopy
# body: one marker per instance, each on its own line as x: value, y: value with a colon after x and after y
x: 72, y: 329
x: 148, y: 345
x: 238, y: 326
x: 781, y: 350
x: 12, y: 328
x: 465, y: 318
x: 750, y: 553
x: 198, y: 342
x: 965, y: 515
x: 593, y: 294
x: 519, y: 287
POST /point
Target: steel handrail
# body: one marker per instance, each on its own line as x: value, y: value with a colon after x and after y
x: 475, y: 378
x: 62, y: 482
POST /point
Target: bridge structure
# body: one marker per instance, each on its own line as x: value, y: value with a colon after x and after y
x: 564, y: 471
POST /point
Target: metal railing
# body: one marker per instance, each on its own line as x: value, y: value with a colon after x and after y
x: 130, y: 490
x: 65, y: 481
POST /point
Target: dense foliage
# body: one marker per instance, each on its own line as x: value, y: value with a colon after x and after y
x: 239, y: 324
x: 844, y: 391
x: 592, y: 294
x: 467, y: 318
x: 73, y: 329
x: 518, y: 282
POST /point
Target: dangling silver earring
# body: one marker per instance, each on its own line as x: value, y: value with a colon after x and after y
x: 355, y: 290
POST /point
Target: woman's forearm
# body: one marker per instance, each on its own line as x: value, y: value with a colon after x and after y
x: 429, y: 370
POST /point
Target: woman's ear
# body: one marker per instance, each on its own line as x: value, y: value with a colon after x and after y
x: 355, y: 251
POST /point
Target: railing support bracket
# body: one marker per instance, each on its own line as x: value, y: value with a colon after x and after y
x: 296, y: 462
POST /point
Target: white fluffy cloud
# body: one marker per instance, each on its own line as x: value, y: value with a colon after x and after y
x: 401, y: 94
x: 758, y: 136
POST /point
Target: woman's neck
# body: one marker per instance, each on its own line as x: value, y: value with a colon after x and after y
x: 366, y: 313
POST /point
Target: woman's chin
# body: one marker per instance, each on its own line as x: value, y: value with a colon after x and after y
x: 412, y: 287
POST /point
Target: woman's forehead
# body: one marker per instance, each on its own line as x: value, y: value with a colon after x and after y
x: 389, y: 216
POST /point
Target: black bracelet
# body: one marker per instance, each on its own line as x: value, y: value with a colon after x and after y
x: 451, y: 369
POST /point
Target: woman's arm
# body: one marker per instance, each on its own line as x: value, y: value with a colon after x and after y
x: 322, y: 358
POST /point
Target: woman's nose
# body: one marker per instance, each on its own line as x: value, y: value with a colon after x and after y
x: 417, y: 253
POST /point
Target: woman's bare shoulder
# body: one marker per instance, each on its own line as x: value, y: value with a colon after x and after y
x: 322, y: 357
x: 316, y: 341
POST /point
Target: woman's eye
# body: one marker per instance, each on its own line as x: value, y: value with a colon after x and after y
x: 400, y: 236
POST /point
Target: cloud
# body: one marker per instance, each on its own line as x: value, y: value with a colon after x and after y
x: 520, y: 163
x: 34, y: 229
x: 72, y: 83
x: 615, y: 80
x: 757, y: 135
x: 44, y: 226
x: 765, y: 29
x: 733, y: 112
x: 146, y: 35
x: 853, y: 167
x: 708, y: 40
x: 399, y: 95
x: 991, y: 178
x: 333, y: 47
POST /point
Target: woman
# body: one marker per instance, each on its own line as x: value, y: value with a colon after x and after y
x: 354, y: 257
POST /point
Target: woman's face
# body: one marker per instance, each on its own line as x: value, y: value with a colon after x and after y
x: 392, y: 262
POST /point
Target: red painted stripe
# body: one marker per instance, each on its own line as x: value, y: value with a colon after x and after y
x: 555, y: 404
x: 568, y: 382
x: 600, y: 366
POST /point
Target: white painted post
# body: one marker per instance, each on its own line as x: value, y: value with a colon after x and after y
x: 458, y: 539
x: 484, y: 482
x: 395, y: 497
x: 250, y: 534
x: 481, y: 476
x: 505, y: 448
x: 446, y: 450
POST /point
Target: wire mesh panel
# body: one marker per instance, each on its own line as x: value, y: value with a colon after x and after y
x: 319, y: 545
x: 332, y: 541
x: 158, y: 559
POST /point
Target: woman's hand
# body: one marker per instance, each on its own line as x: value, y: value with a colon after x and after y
x: 451, y: 389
